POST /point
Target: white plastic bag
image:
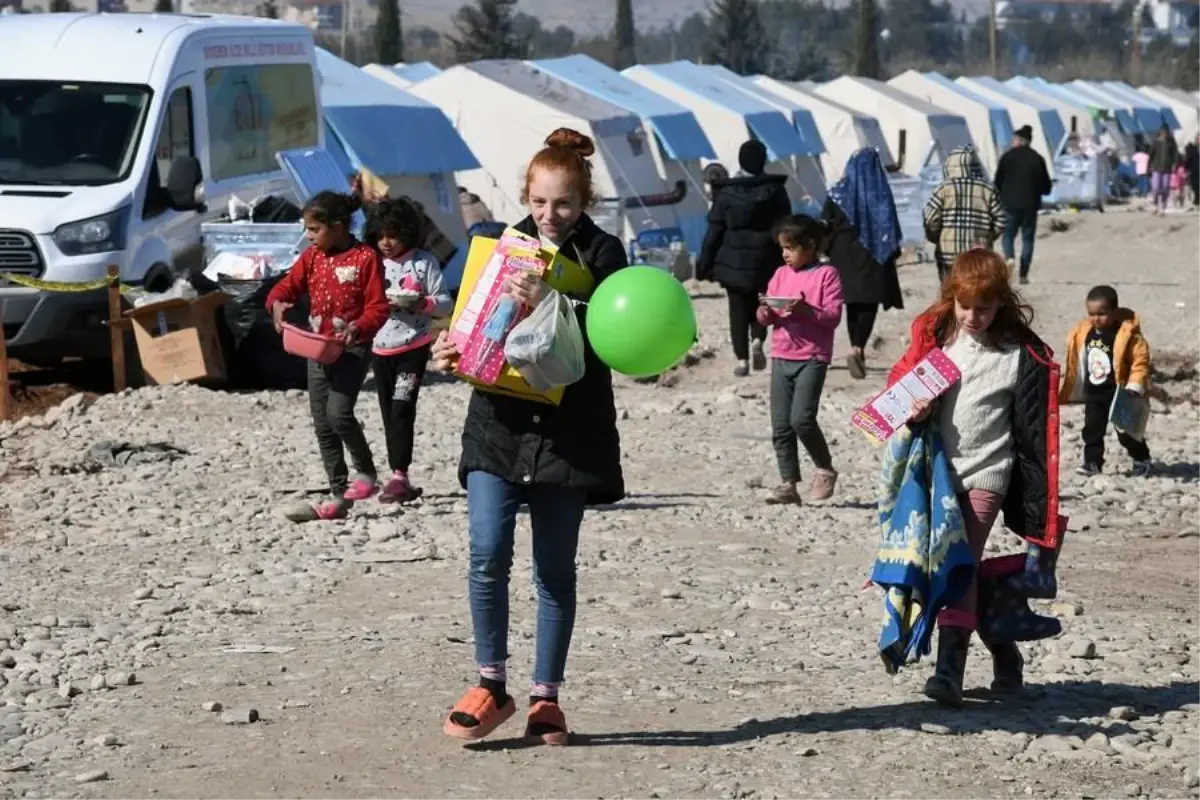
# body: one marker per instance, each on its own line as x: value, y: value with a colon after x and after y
x: 547, y: 346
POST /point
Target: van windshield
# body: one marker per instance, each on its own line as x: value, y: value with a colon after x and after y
x: 75, y: 134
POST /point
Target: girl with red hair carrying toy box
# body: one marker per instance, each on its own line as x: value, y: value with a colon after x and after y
x: 999, y: 429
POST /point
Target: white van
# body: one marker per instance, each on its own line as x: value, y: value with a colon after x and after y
x: 119, y: 135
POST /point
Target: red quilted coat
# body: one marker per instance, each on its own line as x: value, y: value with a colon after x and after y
x: 1031, y: 505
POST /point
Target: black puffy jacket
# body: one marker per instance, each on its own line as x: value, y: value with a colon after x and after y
x: 575, y: 444
x: 740, y: 250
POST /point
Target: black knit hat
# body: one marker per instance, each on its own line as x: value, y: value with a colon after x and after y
x: 752, y: 157
x: 1025, y: 132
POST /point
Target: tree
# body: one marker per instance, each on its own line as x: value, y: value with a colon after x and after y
x: 866, y: 41
x: 624, y: 31
x: 486, y: 30
x: 164, y: 6
x: 269, y: 10
x: 1188, y: 67
x: 736, y: 36
x: 389, y: 39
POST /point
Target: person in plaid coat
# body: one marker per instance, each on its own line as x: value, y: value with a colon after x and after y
x: 964, y: 211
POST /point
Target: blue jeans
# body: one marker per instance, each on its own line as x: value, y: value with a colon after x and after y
x: 555, y: 513
x: 1026, y: 222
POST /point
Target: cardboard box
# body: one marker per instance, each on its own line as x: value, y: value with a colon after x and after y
x: 562, y: 274
x: 178, y: 340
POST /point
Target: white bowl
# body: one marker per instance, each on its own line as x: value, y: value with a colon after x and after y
x: 779, y: 303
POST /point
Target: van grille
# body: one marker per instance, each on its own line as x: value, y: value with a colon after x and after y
x: 19, y: 254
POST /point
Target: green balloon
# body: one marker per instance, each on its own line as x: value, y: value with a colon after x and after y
x: 640, y: 321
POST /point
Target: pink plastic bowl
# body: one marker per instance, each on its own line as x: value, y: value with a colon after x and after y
x: 314, y: 346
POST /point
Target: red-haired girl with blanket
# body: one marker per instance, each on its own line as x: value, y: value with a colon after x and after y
x: 999, y: 427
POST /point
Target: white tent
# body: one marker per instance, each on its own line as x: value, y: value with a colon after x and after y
x: 1075, y: 114
x: 1121, y: 125
x: 401, y: 74
x: 920, y: 133
x: 989, y: 123
x: 678, y: 144
x: 729, y: 118
x: 843, y: 130
x: 504, y: 110
x: 1049, y: 133
x: 1166, y: 114
x: 1185, y: 106
x: 807, y: 166
x: 404, y: 140
x: 1146, y: 114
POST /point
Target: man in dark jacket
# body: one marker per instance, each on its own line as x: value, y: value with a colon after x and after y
x: 1021, y: 181
x: 740, y: 251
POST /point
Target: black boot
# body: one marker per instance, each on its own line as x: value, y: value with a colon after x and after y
x: 946, y: 685
x: 1008, y: 667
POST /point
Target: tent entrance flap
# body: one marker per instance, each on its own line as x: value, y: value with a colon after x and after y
x: 1002, y: 129
x: 773, y: 130
x: 1148, y: 118
x: 681, y: 137
x: 416, y: 140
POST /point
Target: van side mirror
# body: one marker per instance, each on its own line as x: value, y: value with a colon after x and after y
x: 183, y: 182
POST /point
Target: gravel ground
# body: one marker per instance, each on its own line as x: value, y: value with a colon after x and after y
x: 724, y: 648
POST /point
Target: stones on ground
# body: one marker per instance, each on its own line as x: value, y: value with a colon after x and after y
x: 98, y: 682
x: 1123, y: 713
x: 1083, y: 648
x: 144, y: 593
x: 115, y: 679
x: 91, y: 776
x: 107, y: 740
x: 213, y: 706
x: 239, y: 716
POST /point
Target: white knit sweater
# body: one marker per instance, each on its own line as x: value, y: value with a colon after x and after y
x: 976, y: 414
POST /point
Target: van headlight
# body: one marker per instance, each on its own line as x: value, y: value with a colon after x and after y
x: 102, y: 234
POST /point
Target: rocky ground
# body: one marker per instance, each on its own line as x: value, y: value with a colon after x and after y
x: 165, y: 633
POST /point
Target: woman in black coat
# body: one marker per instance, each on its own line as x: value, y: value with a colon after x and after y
x: 740, y: 251
x: 864, y: 243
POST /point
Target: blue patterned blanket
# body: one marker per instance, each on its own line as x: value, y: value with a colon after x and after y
x: 924, y: 561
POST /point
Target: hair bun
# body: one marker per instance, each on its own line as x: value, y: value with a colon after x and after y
x: 570, y: 139
x: 354, y: 202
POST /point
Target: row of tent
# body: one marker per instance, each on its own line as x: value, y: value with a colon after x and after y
x: 657, y: 127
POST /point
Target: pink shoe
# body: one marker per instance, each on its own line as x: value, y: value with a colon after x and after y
x: 330, y: 509
x: 398, y: 489
x: 361, y: 489
x: 333, y: 509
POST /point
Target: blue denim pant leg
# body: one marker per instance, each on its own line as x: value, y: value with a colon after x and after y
x: 1028, y: 235
x: 1012, y: 222
x: 556, y: 514
x: 492, y: 505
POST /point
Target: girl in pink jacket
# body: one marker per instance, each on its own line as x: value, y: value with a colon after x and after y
x: 803, y: 306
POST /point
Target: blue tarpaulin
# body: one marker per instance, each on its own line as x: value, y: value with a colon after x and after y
x: 676, y: 127
x: 384, y: 128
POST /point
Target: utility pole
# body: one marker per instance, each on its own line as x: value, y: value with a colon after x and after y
x: 345, y: 25
x: 992, y: 35
x: 1135, y: 56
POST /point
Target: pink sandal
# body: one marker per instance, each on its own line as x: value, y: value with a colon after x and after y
x: 362, y: 488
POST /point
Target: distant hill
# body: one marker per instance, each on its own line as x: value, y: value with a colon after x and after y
x: 587, y: 17
x: 583, y: 16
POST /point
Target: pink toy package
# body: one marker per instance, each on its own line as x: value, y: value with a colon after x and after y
x: 884, y: 413
x: 490, y: 313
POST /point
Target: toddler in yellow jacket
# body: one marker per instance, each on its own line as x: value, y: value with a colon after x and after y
x: 1105, y: 351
